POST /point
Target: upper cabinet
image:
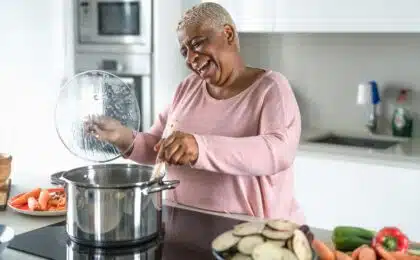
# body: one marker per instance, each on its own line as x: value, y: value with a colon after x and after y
x: 251, y: 16
x: 325, y: 15
x: 347, y: 16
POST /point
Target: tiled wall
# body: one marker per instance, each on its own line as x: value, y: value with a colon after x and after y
x: 325, y: 69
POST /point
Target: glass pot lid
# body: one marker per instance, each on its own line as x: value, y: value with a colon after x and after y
x: 94, y: 94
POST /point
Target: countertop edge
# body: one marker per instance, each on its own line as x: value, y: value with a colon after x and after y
x: 407, y: 162
x: 393, y: 157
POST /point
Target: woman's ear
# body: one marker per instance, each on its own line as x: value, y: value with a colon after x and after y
x: 230, y: 34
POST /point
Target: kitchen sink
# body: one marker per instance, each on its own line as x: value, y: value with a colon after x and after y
x: 355, y: 141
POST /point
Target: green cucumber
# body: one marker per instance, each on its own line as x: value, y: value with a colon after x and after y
x: 346, y: 238
x: 353, y: 231
x: 348, y: 244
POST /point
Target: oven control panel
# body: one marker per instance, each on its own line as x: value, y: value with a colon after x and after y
x: 133, y: 64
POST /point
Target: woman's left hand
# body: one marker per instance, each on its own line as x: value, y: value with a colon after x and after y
x: 178, y: 149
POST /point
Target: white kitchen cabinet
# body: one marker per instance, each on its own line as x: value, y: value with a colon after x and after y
x: 251, y: 16
x: 334, y: 191
x: 324, y: 15
x: 347, y: 16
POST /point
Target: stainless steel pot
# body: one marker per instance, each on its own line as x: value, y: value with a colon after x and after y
x: 114, y: 204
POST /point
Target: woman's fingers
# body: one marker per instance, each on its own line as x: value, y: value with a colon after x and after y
x: 167, y: 147
x: 93, y: 123
x: 168, y: 141
x: 184, y: 160
x: 157, y: 146
x: 161, y: 152
x: 176, y: 149
x: 177, y: 156
x: 170, y: 150
x: 98, y: 133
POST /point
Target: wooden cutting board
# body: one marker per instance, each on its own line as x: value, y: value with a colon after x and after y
x: 4, y: 194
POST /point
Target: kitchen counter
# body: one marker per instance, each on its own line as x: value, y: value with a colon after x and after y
x: 193, y: 229
x: 406, y: 154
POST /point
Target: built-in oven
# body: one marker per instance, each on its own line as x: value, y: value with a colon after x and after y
x: 116, y: 25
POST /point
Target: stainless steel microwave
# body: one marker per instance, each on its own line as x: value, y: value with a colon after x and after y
x: 114, y: 22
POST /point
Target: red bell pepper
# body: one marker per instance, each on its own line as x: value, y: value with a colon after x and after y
x: 391, y: 239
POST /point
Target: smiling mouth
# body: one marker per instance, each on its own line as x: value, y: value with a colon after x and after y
x: 203, y: 67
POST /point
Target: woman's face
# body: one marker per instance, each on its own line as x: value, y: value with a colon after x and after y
x: 207, y: 52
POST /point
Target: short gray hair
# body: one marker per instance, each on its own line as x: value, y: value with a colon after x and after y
x: 210, y: 14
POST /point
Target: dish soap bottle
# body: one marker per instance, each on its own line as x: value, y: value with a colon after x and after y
x: 402, y: 120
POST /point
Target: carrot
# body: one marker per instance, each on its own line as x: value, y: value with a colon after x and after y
x: 23, y: 199
x: 402, y: 256
x: 367, y: 253
x: 341, y: 256
x: 44, y: 196
x: 355, y: 254
x: 322, y: 250
x: 412, y: 257
x: 385, y: 254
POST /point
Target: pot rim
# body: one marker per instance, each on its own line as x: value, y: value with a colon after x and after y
x: 109, y: 186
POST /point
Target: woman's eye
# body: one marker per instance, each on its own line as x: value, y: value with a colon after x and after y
x: 196, y: 44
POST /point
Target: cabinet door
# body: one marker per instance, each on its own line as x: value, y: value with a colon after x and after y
x: 334, y: 191
x: 251, y: 16
x: 347, y: 16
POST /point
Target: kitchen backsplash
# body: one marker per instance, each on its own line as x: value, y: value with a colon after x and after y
x: 325, y: 70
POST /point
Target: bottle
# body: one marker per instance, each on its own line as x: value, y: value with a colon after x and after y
x: 402, y: 120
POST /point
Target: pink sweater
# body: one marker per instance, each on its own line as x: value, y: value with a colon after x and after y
x: 247, y: 145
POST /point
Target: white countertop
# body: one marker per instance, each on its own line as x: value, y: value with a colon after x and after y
x: 406, y: 154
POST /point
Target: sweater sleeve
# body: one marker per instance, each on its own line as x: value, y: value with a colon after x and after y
x: 145, y: 141
x: 270, y: 152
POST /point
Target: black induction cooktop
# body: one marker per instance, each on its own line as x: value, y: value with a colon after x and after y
x: 187, y: 235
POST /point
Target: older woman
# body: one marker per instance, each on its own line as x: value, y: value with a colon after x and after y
x: 236, y: 128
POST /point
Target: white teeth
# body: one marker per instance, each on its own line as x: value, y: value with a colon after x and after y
x: 202, y: 67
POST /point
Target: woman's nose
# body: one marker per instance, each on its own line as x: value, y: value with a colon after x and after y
x: 191, y: 56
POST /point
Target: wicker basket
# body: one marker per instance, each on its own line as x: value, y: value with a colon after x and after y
x: 5, y: 166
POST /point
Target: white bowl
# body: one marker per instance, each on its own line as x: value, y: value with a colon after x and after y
x: 6, y: 235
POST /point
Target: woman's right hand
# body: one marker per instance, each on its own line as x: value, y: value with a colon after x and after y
x: 110, y: 130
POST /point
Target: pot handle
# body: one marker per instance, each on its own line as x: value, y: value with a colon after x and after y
x: 57, y: 179
x: 163, y: 185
